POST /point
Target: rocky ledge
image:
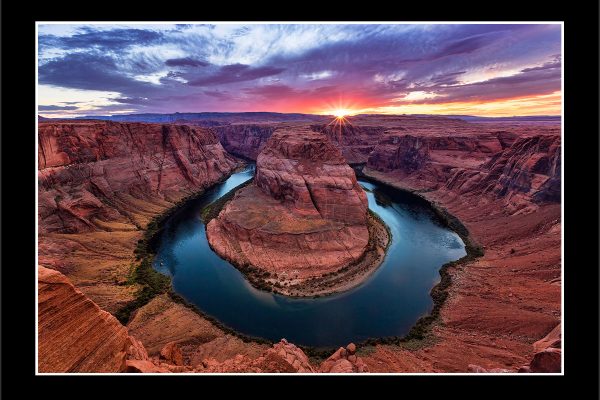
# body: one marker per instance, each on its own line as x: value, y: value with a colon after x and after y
x: 302, y: 221
x: 75, y: 335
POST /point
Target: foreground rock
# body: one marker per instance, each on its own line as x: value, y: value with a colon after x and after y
x: 282, y: 357
x: 548, y: 353
x: 304, y: 216
x: 75, y: 335
x: 344, y: 360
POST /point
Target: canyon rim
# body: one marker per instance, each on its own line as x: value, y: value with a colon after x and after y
x: 440, y: 177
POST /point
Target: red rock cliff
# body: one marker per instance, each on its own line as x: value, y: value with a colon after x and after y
x: 355, y: 141
x: 246, y: 140
x: 495, y: 165
x: 92, y: 175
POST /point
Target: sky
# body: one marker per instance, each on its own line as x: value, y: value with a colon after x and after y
x: 473, y: 69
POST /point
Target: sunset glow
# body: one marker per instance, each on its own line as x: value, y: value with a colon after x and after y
x: 341, y: 113
x: 333, y: 69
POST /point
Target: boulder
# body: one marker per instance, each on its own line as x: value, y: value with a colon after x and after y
x: 548, y: 360
x: 172, y: 353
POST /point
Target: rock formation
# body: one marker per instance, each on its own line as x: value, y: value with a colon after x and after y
x: 246, y: 140
x: 282, y: 357
x: 344, y: 360
x: 305, y: 215
x: 104, y: 175
x: 355, y: 141
x: 497, y: 165
x: 100, y: 183
x: 75, y: 335
x: 404, y: 153
x: 548, y: 353
x: 503, y: 183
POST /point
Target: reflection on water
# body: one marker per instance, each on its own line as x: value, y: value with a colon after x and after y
x: 387, y: 304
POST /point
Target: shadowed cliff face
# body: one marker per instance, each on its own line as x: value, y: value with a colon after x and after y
x: 244, y: 140
x: 400, y: 152
x: 531, y: 166
x: 355, y: 141
x: 98, y: 175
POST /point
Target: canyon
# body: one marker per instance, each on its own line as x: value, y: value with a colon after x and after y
x: 101, y: 182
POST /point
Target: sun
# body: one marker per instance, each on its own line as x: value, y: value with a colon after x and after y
x: 341, y: 112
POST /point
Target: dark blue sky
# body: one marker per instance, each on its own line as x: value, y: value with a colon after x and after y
x: 412, y: 68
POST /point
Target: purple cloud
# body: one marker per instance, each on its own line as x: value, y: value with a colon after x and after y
x: 57, y: 108
x: 236, y: 73
x: 185, y: 62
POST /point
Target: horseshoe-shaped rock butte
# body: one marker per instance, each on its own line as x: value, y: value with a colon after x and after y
x: 302, y: 221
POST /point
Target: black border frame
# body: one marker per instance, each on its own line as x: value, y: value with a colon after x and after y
x: 581, y: 202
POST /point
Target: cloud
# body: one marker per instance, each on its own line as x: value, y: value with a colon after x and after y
x: 88, y: 37
x: 236, y: 73
x: 185, y: 62
x: 554, y: 64
x: 450, y: 78
x: 56, y: 108
x: 466, y: 45
x: 218, y: 94
x: 86, y: 71
x: 529, y: 81
x: 131, y: 100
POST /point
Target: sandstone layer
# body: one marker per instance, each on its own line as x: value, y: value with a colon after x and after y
x: 99, y: 175
x: 245, y: 140
x: 304, y: 216
x: 75, y: 335
x: 100, y: 183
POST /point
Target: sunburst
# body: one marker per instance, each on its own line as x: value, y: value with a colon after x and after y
x: 341, y: 112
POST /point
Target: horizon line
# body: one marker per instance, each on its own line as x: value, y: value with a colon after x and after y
x: 292, y: 113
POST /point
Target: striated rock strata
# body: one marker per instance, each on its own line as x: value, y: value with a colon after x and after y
x: 97, y: 175
x: 75, y: 335
x: 304, y: 216
x: 100, y: 183
x: 246, y: 140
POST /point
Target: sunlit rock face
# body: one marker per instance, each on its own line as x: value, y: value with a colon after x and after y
x: 303, y: 169
x: 304, y: 215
